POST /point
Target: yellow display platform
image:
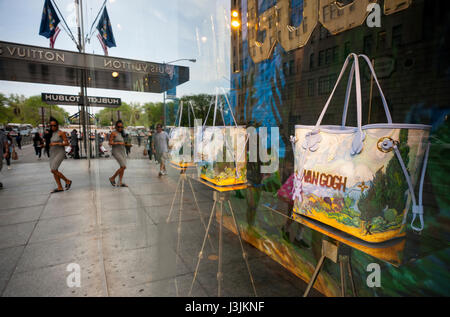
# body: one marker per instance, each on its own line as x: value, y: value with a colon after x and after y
x: 181, y: 166
x: 222, y: 188
x: 224, y: 182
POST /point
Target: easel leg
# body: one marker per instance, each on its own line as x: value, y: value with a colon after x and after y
x: 219, y: 264
x: 315, y: 275
x: 179, y: 232
x: 244, y: 254
x: 342, y: 260
x: 200, y: 255
x: 350, y: 273
x: 199, y: 212
x: 173, y: 200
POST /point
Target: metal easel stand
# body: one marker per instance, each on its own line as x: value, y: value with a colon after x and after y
x: 180, y: 185
x: 337, y: 253
x: 219, y: 199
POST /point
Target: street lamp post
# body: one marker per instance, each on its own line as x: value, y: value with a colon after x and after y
x: 192, y: 60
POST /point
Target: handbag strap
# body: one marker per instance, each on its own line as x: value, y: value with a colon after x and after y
x: 417, y: 208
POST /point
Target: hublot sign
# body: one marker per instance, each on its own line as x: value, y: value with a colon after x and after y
x: 60, y: 99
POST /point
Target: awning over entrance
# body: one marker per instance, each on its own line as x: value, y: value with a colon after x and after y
x: 36, y: 64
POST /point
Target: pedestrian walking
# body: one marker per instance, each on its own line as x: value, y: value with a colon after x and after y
x: 58, y: 142
x: 19, y: 140
x: 11, y: 149
x: 47, y: 136
x: 161, y: 148
x: 139, y: 140
x: 127, y: 140
x: 117, y: 142
x: 149, y: 145
x: 38, y: 144
x: 74, y: 144
x: 4, y: 151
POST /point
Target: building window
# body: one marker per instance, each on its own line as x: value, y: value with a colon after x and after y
x: 323, y: 85
x: 335, y: 54
x: 326, y: 13
x: 291, y: 91
x: 323, y: 33
x: 347, y: 49
x: 326, y: 84
x: 311, y: 61
x: 311, y: 87
x: 328, y: 56
x: 397, y: 36
x: 321, y: 58
x: 333, y: 12
x: 368, y: 41
x: 291, y: 68
x: 381, y: 41
x: 298, y: 91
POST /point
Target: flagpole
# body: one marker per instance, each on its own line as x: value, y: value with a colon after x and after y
x: 88, y: 36
x: 83, y: 90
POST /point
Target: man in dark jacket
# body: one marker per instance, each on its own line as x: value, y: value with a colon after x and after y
x: 47, y: 137
x: 4, y: 148
x: 74, y: 144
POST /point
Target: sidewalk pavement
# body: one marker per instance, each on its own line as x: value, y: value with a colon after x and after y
x: 119, y: 237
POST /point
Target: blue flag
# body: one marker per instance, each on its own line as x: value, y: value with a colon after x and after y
x: 105, y: 30
x: 49, y: 20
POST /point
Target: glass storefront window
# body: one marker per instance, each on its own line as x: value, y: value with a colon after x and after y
x: 278, y: 62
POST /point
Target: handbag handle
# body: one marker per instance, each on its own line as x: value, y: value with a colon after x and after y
x: 349, y: 88
x: 181, y: 113
x: 355, y: 69
x: 314, y: 138
x: 221, y: 110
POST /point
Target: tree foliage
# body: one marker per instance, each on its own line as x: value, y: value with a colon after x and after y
x: 388, y: 189
x: 18, y: 109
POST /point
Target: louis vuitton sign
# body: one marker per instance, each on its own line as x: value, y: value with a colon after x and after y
x: 27, y: 63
